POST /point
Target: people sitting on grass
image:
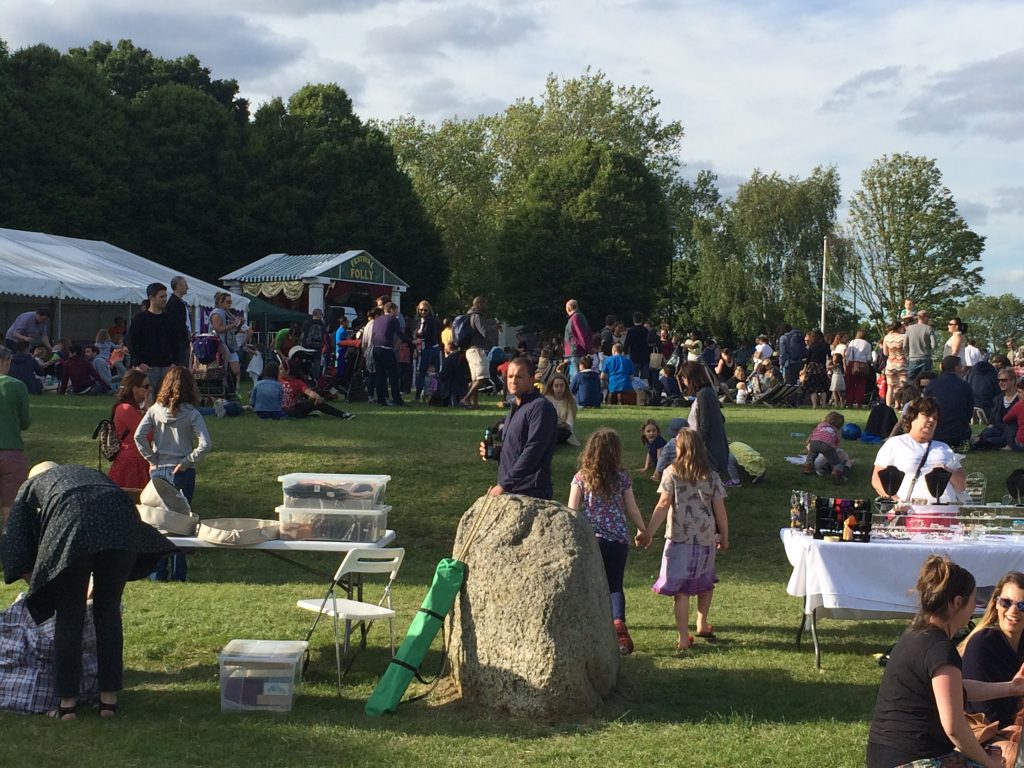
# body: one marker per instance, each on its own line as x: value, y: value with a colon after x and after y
x: 79, y: 377
x: 586, y: 387
x: 100, y: 366
x: 650, y: 436
x: 603, y: 490
x: 919, y: 712
x: 557, y: 392
x: 267, y: 394
x: 299, y: 399
x: 1014, y: 419
x: 26, y: 368
x: 956, y: 403
x: 618, y: 372
x: 998, y: 433
x: 824, y: 441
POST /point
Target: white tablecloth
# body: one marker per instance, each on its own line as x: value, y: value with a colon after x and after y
x: 285, y: 545
x: 877, y: 578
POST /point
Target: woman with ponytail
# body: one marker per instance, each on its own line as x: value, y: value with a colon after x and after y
x: 919, y: 714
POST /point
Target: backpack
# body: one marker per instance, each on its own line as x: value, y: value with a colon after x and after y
x: 110, y: 444
x: 205, y: 349
x: 463, y: 332
x: 313, y: 335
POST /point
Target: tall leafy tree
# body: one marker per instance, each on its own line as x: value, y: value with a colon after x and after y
x: 910, y: 239
x: 593, y: 226
x: 991, y: 320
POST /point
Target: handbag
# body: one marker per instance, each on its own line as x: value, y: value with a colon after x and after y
x: 656, y: 361
x: 860, y: 368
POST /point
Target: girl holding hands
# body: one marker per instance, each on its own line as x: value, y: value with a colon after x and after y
x: 697, y: 527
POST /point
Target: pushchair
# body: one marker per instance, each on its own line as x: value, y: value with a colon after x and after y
x: 208, y: 368
x: 349, y: 377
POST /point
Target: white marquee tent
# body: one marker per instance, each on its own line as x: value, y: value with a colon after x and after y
x: 65, y: 269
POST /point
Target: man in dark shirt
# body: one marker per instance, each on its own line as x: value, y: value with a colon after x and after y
x: 177, y: 310
x: 608, y: 335
x: 152, y: 336
x: 527, y: 437
x: 385, y: 361
x: 637, y: 346
x: 956, y: 403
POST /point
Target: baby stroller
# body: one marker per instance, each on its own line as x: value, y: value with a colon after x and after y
x: 208, y: 368
x: 351, y: 368
x: 301, y: 362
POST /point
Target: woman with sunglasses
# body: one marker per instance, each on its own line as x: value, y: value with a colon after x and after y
x: 955, y: 343
x: 999, y: 434
x: 993, y: 652
x: 919, y: 714
x: 129, y: 469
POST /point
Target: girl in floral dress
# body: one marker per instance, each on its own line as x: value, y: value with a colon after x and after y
x: 697, y: 527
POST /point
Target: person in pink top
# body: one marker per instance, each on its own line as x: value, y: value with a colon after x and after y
x: 824, y: 441
x: 1016, y: 415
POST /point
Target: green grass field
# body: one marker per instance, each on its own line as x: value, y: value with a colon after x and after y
x: 751, y: 699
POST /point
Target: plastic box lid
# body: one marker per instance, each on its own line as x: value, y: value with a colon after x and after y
x: 264, y: 651
x: 297, y: 477
x: 284, y: 512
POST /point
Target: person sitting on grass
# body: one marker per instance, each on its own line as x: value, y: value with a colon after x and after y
x: 824, y: 441
x: 650, y: 436
x: 558, y: 394
x: 671, y: 394
x: 79, y: 377
x: 586, y: 387
x: 617, y: 371
x: 267, y: 394
x: 1015, y: 417
x: 298, y: 399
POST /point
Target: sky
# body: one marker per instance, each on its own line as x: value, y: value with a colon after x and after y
x: 776, y: 85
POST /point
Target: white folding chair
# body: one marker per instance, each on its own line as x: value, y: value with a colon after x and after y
x: 357, y: 562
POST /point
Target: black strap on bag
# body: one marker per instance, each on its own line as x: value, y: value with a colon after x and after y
x: 917, y: 472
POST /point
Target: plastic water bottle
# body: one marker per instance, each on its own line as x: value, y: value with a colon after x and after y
x: 797, y: 434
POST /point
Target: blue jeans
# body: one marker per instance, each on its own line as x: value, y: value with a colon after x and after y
x: 918, y: 365
x: 429, y: 356
x: 614, y: 554
x: 186, y: 483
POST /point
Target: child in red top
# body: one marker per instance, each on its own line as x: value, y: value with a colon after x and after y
x: 824, y: 440
x: 1016, y: 415
x: 298, y: 399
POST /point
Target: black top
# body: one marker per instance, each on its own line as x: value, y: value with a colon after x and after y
x: 177, y: 310
x: 956, y: 407
x: 906, y: 718
x: 153, y: 338
x: 527, y: 445
x: 67, y: 513
x: 989, y: 657
x: 817, y: 353
x: 428, y: 330
x: 636, y: 347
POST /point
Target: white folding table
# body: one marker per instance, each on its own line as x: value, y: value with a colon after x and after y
x: 875, y: 580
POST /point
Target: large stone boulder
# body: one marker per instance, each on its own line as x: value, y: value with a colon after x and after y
x: 532, y: 631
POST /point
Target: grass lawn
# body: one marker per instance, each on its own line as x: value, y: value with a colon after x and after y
x: 751, y: 699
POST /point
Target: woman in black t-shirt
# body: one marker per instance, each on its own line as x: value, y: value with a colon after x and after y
x: 919, y: 712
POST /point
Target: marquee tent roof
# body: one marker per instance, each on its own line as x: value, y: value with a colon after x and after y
x: 50, y: 266
x: 352, y: 266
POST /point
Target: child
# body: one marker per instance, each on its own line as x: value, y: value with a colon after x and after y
x: 430, y: 384
x: 179, y: 440
x: 670, y: 392
x: 698, y: 526
x: 742, y: 393
x: 650, y: 436
x: 824, y: 440
x: 267, y: 394
x: 558, y: 394
x: 586, y: 387
x: 603, y: 490
x: 838, y: 386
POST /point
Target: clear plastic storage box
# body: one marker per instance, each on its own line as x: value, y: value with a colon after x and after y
x: 311, y: 490
x: 362, y: 525
x: 260, y: 675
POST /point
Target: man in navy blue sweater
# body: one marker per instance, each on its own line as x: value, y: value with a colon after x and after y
x: 527, y: 437
x: 956, y: 403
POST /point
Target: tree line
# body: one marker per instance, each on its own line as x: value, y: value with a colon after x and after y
x: 578, y: 192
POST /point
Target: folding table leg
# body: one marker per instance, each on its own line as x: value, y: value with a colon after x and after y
x: 814, y: 636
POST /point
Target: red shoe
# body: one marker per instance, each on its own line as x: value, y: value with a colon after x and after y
x: 625, y: 641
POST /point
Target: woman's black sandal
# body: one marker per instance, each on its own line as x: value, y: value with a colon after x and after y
x: 62, y: 712
x: 104, y: 708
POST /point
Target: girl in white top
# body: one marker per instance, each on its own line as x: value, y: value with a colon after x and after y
x: 558, y: 394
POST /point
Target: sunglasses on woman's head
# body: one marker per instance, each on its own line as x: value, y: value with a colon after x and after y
x: 1005, y: 603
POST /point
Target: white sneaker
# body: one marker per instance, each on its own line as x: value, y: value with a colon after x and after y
x: 218, y: 408
x: 574, y: 441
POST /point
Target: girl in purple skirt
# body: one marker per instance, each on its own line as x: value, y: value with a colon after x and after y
x: 697, y: 526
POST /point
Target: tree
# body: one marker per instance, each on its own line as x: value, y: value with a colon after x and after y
x: 594, y: 227
x: 991, y: 320
x: 759, y: 258
x: 910, y: 240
